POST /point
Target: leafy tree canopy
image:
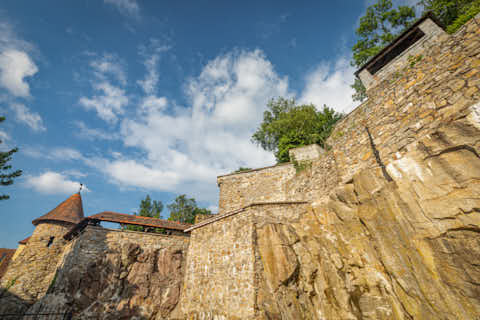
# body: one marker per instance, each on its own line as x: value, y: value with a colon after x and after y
x: 378, y: 27
x: 6, y: 173
x: 287, y: 125
x: 148, y: 208
x: 452, y: 13
x: 185, y: 209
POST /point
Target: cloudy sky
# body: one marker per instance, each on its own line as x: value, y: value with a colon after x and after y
x: 136, y: 97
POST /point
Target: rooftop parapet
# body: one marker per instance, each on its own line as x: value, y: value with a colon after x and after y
x: 397, y: 54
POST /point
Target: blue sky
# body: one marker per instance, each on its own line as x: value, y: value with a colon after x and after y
x: 134, y: 97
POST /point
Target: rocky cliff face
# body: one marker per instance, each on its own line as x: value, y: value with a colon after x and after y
x: 118, y: 275
x: 378, y: 249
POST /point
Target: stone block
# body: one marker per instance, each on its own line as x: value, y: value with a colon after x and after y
x: 306, y: 153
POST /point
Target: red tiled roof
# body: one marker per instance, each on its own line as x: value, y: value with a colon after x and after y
x: 139, y: 220
x: 5, y: 258
x: 126, y: 219
x: 24, y: 241
x: 70, y: 210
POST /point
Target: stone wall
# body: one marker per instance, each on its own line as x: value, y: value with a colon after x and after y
x: 18, y: 251
x: 278, y: 183
x: 219, y: 281
x: 432, y: 33
x: 29, y: 276
x: 374, y: 249
x: 238, y: 190
x: 114, y: 274
x: 409, y: 105
x: 306, y: 153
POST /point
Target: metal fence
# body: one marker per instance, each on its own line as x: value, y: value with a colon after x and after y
x: 66, y: 315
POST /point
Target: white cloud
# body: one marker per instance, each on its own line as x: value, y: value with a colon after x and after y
x: 4, y: 137
x: 183, y: 148
x: 15, y: 63
x: 58, y: 154
x: 30, y: 118
x: 153, y: 104
x: 150, y: 82
x: 10, y: 40
x: 74, y: 173
x: 15, y: 66
x: 109, y: 103
x: 151, y: 55
x: 330, y: 84
x: 109, y: 80
x: 93, y: 134
x: 65, y: 154
x: 126, y: 7
x: 129, y: 172
x: 109, y: 64
x: 187, y: 147
x: 51, y: 182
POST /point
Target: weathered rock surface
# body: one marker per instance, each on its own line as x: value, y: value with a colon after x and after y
x: 119, y: 275
x: 374, y: 249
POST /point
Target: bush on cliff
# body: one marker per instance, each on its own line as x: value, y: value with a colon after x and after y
x: 287, y: 125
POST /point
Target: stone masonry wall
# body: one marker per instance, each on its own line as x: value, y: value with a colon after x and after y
x: 432, y: 32
x: 306, y: 153
x: 408, y: 105
x: 219, y: 281
x: 114, y: 274
x: 30, y: 274
x: 241, y: 189
x: 278, y: 183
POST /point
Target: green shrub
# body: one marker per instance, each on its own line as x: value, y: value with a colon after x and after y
x: 470, y: 12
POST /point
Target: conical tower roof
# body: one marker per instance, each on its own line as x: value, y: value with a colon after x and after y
x: 70, y: 210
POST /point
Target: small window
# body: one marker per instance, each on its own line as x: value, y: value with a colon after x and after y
x: 50, y: 241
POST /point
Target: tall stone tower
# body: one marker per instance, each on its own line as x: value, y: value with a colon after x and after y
x: 29, y: 276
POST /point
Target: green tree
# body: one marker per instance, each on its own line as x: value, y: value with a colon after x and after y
x: 378, y: 27
x: 6, y: 173
x: 185, y: 209
x: 242, y: 169
x: 148, y: 208
x: 287, y: 125
x: 452, y: 13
